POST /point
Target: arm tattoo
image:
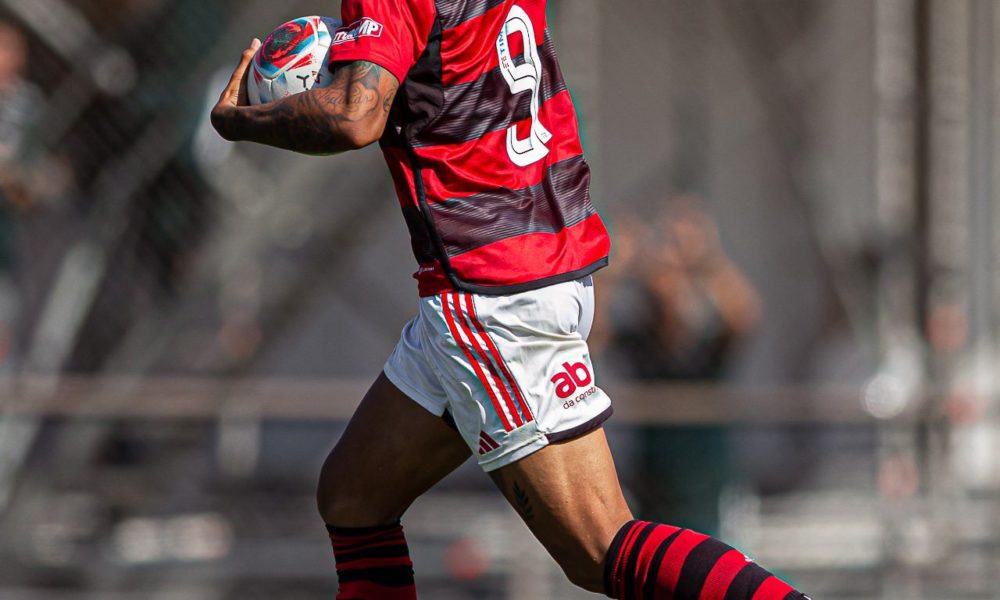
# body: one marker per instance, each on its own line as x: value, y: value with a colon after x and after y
x: 387, y: 101
x: 327, y: 120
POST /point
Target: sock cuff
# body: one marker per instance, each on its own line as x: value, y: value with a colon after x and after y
x: 614, y: 557
x: 356, y: 531
x: 647, y: 560
x: 372, y: 562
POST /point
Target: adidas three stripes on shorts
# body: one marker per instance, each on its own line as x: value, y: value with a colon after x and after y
x: 513, y: 371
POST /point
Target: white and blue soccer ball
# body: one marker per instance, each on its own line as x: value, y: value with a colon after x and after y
x: 293, y: 59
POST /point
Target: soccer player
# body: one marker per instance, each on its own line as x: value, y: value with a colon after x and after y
x: 467, y: 102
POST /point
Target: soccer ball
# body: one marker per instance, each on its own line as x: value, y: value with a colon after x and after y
x: 292, y: 59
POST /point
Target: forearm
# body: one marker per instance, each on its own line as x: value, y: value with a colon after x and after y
x: 311, y: 123
x: 350, y: 113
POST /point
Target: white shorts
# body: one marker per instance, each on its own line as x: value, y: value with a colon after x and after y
x: 513, y: 372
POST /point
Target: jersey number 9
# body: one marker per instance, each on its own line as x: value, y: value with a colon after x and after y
x: 525, y: 77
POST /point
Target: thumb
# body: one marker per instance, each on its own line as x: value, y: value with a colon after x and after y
x: 237, y: 84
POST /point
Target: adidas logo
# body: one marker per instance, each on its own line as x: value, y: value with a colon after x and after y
x: 486, y: 443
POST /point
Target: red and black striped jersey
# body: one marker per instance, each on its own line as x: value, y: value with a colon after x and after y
x: 482, y: 142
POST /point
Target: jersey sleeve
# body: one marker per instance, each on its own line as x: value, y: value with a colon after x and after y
x: 389, y: 33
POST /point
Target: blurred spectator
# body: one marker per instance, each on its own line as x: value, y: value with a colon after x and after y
x: 674, y: 307
x: 19, y: 103
x: 675, y: 304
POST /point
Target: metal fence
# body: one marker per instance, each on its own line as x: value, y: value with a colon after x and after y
x: 184, y: 323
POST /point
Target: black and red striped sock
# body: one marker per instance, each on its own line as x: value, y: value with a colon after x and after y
x: 373, y: 563
x: 649, y: 561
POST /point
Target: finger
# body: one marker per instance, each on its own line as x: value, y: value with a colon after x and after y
x: 231, y: 95
x: 243, y: 97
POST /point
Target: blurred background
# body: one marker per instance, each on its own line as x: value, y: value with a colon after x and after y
x: 800, y: 325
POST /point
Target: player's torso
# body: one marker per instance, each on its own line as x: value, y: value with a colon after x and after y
x: 484, y: 149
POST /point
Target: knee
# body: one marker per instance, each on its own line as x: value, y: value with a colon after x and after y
x: 332, y: 503
x: 583, y: 557
x: 584, y: 566
x: 344, y: 503
x: 589, y: 576
x: 588, y: 580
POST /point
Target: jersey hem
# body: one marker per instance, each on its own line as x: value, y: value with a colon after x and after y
x: 517, y: 288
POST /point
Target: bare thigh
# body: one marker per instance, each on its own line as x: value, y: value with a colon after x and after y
x: 392, y: 451
x: 569, y: 496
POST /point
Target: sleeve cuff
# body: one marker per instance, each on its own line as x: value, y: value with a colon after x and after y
x: 392, y: 65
